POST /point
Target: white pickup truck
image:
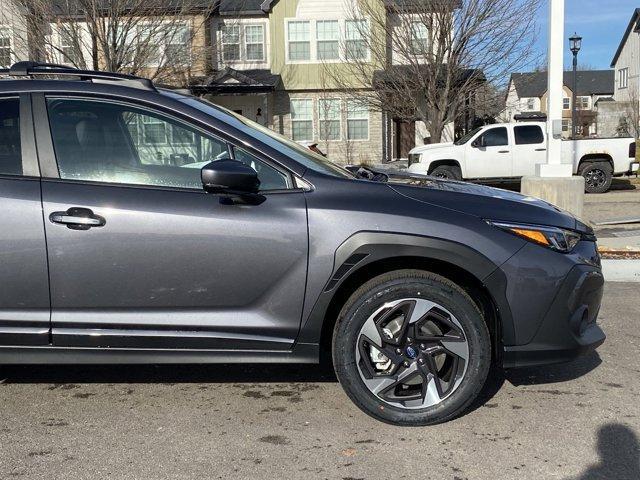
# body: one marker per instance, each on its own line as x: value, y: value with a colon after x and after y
x: 512, y: 150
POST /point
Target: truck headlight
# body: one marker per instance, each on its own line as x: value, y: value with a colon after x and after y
x: 554, y: 238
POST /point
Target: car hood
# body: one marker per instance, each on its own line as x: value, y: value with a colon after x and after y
x: 484, y: 202
x: 431, y: 147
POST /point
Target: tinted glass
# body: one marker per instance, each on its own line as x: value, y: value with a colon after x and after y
x: 287, y: 147
x: 10, y: 147
x: 528, y: 135
x: 496, y: 137
x: 116, y: 143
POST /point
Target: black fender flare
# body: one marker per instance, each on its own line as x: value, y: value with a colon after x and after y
x: 365, y: 248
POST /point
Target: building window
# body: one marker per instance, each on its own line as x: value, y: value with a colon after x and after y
x: 302, y: 119
x: 357, y: 120
x: 623, y: 78
x: 69, y: 48
x: 299, y: 41
x: 419, y: 39
x: 5, y: 47
x: 154, y: 131
x: 230, y: 43
x: 328, y: 37
x: 355, y: 32
x: 566, y: 103
x: 531, y: 104
x: 254, y: 40
x: 583, y: 103
x: 329, y: 112
x: 566, y: 125
x: 177, y: 50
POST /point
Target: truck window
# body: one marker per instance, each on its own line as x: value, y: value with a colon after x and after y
x: 495, y: 137
x: 528, y: 135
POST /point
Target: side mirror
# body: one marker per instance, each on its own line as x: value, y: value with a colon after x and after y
x: 478, y: 142
x: 231, y: 179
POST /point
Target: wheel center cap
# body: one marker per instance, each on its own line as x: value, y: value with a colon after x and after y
x: 411, y: 352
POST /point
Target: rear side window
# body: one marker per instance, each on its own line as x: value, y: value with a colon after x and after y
x: 10, y: 147
x: 528, y: 135
x: 495, y: 137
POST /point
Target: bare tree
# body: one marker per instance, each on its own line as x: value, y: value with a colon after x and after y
x: 426, y: 59
x: 155, y: 38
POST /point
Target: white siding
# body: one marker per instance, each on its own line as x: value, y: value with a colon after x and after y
x: 629, y: 58
x: 325, y: 9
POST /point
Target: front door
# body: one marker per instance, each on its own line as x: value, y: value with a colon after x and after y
x: 24, y: 284
x: 489, y: 155
x: 140, y: 256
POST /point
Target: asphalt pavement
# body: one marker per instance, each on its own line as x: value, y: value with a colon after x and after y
x: 574, y: 421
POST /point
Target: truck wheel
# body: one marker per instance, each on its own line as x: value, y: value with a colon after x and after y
x: 448, y: 172
x: 597, y: 176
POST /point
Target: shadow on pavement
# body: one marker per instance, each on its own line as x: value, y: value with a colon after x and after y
x: 554, y: 373
x: 218, y: 373
x: 622, y: 184
x: 619, y: 452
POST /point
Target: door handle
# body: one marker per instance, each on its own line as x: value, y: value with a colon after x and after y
x: 503, y: 151
x: 541, y: 149
x: 77, y: 219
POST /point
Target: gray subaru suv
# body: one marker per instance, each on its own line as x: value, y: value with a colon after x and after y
x: 140, y: 225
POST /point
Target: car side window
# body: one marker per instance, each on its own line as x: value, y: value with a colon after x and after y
x: 270, y: 178
x: 119, y: 143
x: 528, y: 135
x: 495, y: 137
x: 10, y: 145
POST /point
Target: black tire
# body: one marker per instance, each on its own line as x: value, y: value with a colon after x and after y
x: 449, y: 172
x: 597, y: 176
x: 391, y: 287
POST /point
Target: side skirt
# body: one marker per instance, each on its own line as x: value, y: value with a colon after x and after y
x: 10, y: 355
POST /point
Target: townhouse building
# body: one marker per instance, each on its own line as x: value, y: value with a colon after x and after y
x: 269, y: 60
x: 527, y: 98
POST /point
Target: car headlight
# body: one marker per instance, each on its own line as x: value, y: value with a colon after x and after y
x: 554, y: 238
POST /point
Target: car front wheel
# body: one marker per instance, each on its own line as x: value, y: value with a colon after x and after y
x: 411, y: 348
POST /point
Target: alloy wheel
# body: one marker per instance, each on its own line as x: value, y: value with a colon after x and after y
x: 412, y: 353
x: 596, y: 178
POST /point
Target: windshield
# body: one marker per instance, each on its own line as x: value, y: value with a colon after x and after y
x: 267, y: 136
x: 465, y: 138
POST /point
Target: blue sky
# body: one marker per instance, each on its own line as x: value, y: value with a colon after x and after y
x: 600, y: 22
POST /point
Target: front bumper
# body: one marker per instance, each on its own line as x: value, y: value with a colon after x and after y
x: 550, y: 305
x: 569, y: 328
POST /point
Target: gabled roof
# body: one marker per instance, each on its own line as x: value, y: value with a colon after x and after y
x: 634, y: 26
x: 245, y: 7
x: 590, y: 82
x: 230, y: 80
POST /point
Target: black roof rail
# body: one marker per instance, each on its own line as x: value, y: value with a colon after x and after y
x: 31, y: 69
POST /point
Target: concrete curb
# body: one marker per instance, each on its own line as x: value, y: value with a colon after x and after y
x: 621, y: 270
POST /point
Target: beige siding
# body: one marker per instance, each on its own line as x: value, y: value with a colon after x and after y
x: 340, y: 151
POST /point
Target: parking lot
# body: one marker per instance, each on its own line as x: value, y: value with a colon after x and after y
x: 574, y: 421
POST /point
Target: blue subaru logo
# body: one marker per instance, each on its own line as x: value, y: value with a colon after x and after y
x: 411, y: 352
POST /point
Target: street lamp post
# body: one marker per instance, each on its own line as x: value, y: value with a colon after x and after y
x: 575, y: 44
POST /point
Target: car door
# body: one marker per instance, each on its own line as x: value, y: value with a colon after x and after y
x: 24, y: 292
x: 140, y: 256
x: 489, y: 154
x: 530, y: 149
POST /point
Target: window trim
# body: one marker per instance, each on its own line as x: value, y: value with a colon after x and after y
x: 623, y: 74
x: 49, y: 165
x: 243, y: 41
x: 339, y: 119
x: 9, y: 29
x: 368, y: 119
x: 312, y: 119
x: 313, y: 40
